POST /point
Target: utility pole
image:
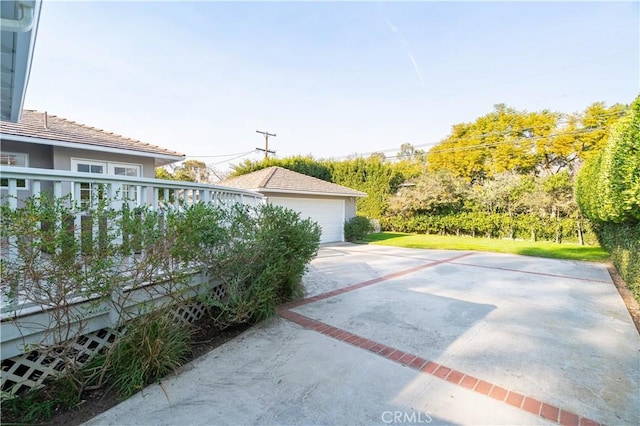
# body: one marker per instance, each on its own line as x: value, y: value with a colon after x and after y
x: 266, y: 143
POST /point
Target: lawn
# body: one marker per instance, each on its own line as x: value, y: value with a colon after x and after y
x: 527, y: 248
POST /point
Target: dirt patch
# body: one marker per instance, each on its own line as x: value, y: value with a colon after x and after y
x: 94, y: 402
x: 627, y: 295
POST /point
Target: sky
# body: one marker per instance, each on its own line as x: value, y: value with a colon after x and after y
x: 330, y: 79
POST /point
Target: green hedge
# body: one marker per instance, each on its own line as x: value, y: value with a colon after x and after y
x: 622, y: 241
x: 524, y: 226
x: 608, y: 192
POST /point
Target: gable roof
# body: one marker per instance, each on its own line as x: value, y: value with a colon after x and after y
x: 278, y: 179
x: 47, y: 128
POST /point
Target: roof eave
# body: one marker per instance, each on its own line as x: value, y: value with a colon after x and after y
x: 161, y: 159
x: 22, y: 58
x: 293, y: 191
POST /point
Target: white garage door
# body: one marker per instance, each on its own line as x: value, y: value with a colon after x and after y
x: 328, y: 213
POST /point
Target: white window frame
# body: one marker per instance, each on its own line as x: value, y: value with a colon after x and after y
x: 26, y: 164
x: 108, y: 167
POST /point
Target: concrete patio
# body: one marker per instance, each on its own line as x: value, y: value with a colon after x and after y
x: 401, y: 336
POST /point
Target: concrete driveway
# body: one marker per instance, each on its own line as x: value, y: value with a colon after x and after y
x: 402, y: 336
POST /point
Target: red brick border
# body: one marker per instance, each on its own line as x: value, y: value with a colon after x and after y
x: 458, y: 378
x: 301, y: 302
x: 515, y: 399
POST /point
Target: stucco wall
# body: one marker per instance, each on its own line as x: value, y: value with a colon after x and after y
x: 349, y: 208
x: 62, y: 159
x: 39, y: 155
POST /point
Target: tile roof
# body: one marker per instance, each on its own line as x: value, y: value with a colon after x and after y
x: 36, y: 124
x: 274, y: 179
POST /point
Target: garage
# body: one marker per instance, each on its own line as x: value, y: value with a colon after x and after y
x: 326, y: 203
x: 328, y: 213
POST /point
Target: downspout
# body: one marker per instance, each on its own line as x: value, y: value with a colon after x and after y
x: 22, y: 25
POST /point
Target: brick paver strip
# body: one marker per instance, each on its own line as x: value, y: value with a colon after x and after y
x: 515, y: 399
x: 569, y: 419
x: 302, y: 302
x: 458, y: 378
x: 455, y: 377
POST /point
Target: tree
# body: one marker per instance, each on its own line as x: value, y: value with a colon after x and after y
x: 379, y: 179
x: 410, y: 162
x: 306, y: 165
x: 504, y: 193
x: 507, y: 140
x: 162, y: 173
x: 188, y: 171
x: 432, y: 193
x: 579, y: 137
x: 502, y: 141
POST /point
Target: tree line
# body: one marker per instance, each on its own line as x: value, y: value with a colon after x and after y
x: 508, y: 174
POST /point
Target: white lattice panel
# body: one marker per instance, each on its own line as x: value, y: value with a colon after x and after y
x: 31, y: 369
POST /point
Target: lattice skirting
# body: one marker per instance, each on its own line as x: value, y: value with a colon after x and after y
x: 30, y: 370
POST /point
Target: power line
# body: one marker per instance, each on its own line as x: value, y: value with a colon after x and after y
x: 220, y: 155
x: 530, y: 139
x: 234, y: 158
x: 266, y: 144
x: 484, y: 135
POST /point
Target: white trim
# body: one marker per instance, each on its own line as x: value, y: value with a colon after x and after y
x: 24, y: 43
x: 75, y: 162
x: 108, y: 165
x: 90, y: 147
x: 64, y: 175
x: 293, y: 191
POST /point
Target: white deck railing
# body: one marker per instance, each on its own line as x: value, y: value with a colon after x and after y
x: 20, y: 183
x: 153, y: 192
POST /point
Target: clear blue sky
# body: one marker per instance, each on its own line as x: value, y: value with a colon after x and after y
x: 331, y: 79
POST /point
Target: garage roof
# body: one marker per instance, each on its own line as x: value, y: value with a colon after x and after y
x: 281, y: 180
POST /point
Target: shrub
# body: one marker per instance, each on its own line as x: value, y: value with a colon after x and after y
x: 357, y: 228
x: 261, y: 262
x: 493, y: 225
x: 622, y: 241
x: 152, y: 347
x: 259, y: 253
x: 608, y: 193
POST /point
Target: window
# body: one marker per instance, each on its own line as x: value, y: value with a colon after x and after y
x: 14, y: 159
x: 129, y: 192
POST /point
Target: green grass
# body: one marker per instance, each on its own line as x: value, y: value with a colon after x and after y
x: 527, y: 248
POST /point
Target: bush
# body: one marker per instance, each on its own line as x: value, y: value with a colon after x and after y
x: 261, y: 262
x: 258, y: 253
x: 608, y: 193
x: 357, y: 228
x: 492, y: 225
x: 153, y: 346
x: 622, y: 241
x: 608, y: 186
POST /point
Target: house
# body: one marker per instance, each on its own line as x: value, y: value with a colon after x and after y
x: 328, y: 204
x: 42, y: 140
x: 18, y: 31
x: 42, y: 154
x: 46, y: 152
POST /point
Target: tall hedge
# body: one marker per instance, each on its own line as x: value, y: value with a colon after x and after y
x: 608, y: 193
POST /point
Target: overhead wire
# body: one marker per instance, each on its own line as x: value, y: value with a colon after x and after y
x: 482, y: 136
